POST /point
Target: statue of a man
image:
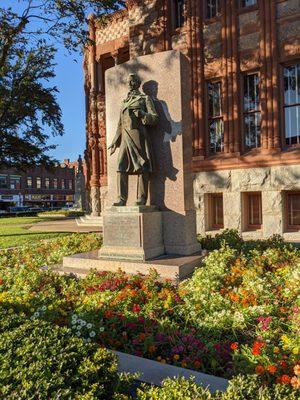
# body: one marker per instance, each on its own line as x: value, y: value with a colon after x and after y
x: 132, y: 138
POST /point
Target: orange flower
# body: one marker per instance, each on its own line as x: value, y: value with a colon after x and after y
x: 234, y: 346
x: 295, y: 382
x: 197, y: 364
x: 259, y: 369
x: 152, y: 349
x: 107, y: 314
x: 142, y: 337
x: 183, y: 364
x: 285, y: 379
x: 297, y: 369
x: 176, y: 357
x: 272, y: 369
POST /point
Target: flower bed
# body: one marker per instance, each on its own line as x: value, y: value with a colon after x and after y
x: 238, y: 314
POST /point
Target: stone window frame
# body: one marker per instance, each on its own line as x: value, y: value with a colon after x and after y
x: 283, y: 66
x: 211, y: 211
x: 247, y: 225
x: 288, y: 227
x: 211, y: 117
x: 244, y: 113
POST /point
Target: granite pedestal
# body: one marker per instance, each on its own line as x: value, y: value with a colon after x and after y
x: 134, y: 233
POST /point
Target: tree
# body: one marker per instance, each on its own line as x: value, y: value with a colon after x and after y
x: 28, y: 43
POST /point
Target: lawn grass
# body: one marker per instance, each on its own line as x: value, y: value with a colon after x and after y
x: 14, y: 231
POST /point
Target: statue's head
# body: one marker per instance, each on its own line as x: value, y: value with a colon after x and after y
x: 134, y: 81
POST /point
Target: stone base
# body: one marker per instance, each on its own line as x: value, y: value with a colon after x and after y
x: 132, y: 233
x: 168, y: 267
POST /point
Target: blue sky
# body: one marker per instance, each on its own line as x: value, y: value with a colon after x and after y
x: 69, y: 81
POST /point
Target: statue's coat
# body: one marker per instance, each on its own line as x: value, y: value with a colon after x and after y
x: 132, y: 137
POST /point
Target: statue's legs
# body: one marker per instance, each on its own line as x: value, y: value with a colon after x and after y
x: 122, y: 182
x: 143, y: 184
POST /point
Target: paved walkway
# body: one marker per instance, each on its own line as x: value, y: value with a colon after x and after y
x: 64, y: 225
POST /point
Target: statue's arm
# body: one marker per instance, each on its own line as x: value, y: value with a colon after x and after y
x: 150, y: 117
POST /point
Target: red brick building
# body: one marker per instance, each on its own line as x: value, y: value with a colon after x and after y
x: 245, y: 102
x: 37, y: 187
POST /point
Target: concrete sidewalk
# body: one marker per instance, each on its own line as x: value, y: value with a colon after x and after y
x: 64, y: 225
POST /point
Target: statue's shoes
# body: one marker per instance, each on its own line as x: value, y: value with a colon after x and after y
x: 140, y: 203
x: 120, y: 203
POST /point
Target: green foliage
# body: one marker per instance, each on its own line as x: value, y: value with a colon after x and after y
x: 41, y: 361
x: 175, y: 389
x: 231, y: 238
x: 28, y: 45
x: 240, y: 388
x: 50, y: 252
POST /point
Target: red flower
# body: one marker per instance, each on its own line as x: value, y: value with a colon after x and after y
x: 234, y: 346
x: 136, y: 308
x: 257, y: 347
x: 1, y: 281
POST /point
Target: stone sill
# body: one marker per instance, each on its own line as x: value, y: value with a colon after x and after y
x: 154, y: 373
x: 292, y: 237
x: 253, y: 235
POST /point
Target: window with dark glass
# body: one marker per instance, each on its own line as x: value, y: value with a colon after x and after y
x: 63, y: 184
x: 47, y: 183
x: 29, y: 182
x: 293, y: 210
x: 15, y: 182
x: 252, y: 115
x: 178, y: 13
x: 3, y: 182
x: 292, y: 104
x: 215, y: 118
x: 216, y: 211
x: 247, y: 3
x: 55, y: 183
x: 38, y: 183
x: 213, y: 8
x: 70, y: 182
x: 253, y: 210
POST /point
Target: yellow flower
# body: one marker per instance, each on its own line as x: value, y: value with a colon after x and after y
x: 284, y: 338
x: 285, y: 347
x: 295, y: 350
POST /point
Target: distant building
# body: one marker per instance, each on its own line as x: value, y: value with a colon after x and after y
x: 38, y: 187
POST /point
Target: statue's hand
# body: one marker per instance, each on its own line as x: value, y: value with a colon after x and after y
x: 112, y: 148
x: 138, y: 113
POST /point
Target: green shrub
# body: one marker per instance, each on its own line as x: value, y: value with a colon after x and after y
x: 231, y: 238
x: 174, y: 389
x: 42, y: 361
x: 240, y: 388
x: 249, y: 388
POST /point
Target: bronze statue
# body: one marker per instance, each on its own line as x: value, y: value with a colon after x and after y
x: 132, y: 138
